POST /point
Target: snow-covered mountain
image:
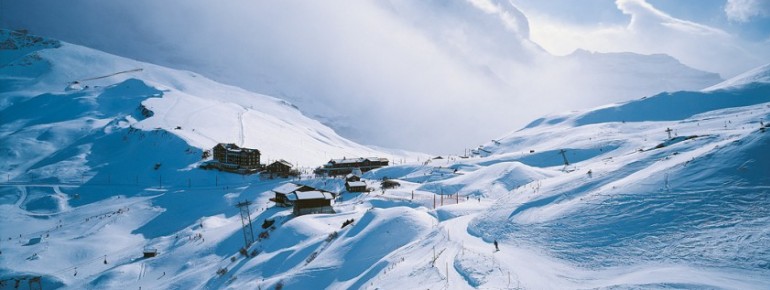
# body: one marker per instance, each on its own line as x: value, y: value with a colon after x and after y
x: 411, y: 68
x: 634, y: 208
x: 48, y: 124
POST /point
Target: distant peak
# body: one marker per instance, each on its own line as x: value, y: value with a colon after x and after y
x: 757, y: 75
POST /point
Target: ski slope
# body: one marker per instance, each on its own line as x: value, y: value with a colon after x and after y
x: 93, y: 179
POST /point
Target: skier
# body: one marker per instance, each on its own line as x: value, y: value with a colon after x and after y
x: 496, y: 248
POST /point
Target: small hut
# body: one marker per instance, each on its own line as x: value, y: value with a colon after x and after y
x: 352, y: 177
x: 355, y: 186
x: 280, y: 167
x: 150, y: 252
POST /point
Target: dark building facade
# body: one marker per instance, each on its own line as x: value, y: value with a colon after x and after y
x: 312, y: 202
x: 230, y: 156
x: 280, y: 167
x: 345, y: 166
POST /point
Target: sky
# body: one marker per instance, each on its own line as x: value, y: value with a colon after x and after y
x: 433, y: 76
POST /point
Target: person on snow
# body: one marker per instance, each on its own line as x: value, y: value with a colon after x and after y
x: 496, y: 248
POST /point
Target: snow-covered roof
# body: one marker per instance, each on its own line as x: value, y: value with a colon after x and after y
x: 377, y: 159
x: 358, y: 160
x: 287, y: 188
x: 356, y: 183
x: 313, y: 195
x: 284, y: 162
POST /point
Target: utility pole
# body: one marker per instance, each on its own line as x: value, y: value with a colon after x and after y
x: 564, y: 155
x: 248, y: 230
x: 668, y: 130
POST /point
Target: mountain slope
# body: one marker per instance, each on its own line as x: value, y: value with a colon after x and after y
x: 199, y: 111
x: 634, y: 207
x: 99, y: 174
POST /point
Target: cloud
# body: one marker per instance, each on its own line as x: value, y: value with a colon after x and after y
x: 744, y: 10
x: 651, y: 31
x: 429, y: 75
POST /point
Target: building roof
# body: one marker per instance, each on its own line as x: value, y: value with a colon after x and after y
x: 356, y: 183
x: 231, y: 147
x: 284, y: 162
x: 306, y: 195
x: 287, y: 188
x: 358, y: 160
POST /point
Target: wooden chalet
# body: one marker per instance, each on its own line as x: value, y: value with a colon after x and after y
x: 355, y: 186
x: 352, y: 177
x: 230, y: 157
x: 149, y: 252
x: 313, y: 202
x: 284, y: 194
x: 345, y: 166
x: 280, y: 167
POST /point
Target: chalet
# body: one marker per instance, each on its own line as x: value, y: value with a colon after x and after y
x: 284, y: 194
x: 355, y: 186
x: 230, y: 157
x: 280, y: 167
x: 311, y: 202
x: 352, y: 177
x: 149, y: 252
x: 345, y: 166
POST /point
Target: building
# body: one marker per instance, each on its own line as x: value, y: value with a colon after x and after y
x: 149, y: 252
x: 284, y: 194
x: 312, y: 202
x: 230, y: 157
x: 352, y: 177
x: 345, y: 166
x: 355, y: 186
x: 280, y: 167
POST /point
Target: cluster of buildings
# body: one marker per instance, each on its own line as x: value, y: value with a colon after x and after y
x: 232, y: 158
x: 309, y: 200
x: 304, y: 199
x: 345, y: 166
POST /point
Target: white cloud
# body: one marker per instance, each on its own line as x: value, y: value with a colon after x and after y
x: 651, y: 31
x: 744, y: 10
x: 430, y: 75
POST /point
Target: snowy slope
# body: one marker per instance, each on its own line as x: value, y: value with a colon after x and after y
x: 633, y: 209
x: 85, y: 194
x: 98, y: 168
x: 41, y: 118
